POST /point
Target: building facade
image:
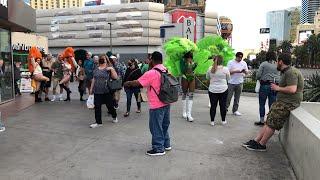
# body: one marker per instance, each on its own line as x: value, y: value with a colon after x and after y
x: 55, y: 4
x: 14, y: 16
x: 193, y: 5
x: 132, y: 30
x: 308, y: 10
x: 295, y: 21
x: 279, y: 24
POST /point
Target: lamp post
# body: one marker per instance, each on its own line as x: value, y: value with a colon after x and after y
x: 110, y: 36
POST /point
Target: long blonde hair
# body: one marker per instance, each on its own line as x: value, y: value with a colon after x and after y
x: 217, y: 61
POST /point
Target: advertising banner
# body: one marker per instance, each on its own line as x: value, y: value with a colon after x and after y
x: 179, y: 16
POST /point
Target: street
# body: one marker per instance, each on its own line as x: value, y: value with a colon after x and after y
x: 52, y: 140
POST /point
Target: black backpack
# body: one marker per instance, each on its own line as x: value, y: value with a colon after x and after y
x: 169, y: 88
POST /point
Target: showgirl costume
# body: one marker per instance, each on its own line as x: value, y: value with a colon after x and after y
x: 69, y: 65
x: 186, y: 59
x: 36, y: 70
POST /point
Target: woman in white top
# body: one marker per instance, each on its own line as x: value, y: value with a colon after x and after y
x: 218, y: 88
x: 38, y: 76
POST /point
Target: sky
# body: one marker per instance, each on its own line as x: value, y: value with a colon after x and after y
x: 247, y: 16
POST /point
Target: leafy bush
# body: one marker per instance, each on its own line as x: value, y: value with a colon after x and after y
x: 311, y: 91
x: 249, y: 86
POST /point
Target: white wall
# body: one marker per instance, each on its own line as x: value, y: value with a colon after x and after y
x: 300, y: 138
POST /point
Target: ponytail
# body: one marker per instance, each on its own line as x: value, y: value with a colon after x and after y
x: 217, y: 61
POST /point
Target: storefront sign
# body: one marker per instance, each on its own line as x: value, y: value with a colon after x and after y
x: 179, y: 16
x: 23, y: 47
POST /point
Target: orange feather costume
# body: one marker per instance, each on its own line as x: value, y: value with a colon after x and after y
x: 67, y: 53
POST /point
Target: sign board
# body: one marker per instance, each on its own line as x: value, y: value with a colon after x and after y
x: 264, y: 30
x: 179, y: 16
x: 188, y: 29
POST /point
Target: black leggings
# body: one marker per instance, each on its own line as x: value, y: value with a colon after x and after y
x: 222, y: 98
x: 100, y: 99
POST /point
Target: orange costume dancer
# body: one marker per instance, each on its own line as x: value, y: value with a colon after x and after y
x: 34, y: 60
x: 68, y: 67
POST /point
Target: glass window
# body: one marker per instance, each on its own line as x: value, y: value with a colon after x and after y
x: 6, y: 75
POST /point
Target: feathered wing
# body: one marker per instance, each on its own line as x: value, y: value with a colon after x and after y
x: 208, y: 47
x: 175, y: 49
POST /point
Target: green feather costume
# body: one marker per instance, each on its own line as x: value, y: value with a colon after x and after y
x: 203, y: 52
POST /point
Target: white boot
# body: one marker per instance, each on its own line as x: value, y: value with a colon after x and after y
x: 53, y: 98
x: 184, y: 109
x: 190, y: 118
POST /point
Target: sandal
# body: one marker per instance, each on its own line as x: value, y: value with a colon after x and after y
x: 138, y: 111
x: 126, y: 114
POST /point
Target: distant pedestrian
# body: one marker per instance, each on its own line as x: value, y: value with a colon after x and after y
x: 289, y: 97
x: 102, y: 94
x: 120, y: 72
x: 89, y: 67
x: 238, y: 69
x: 57, y: 68
x: 17, y: 77
x: 218, y: 88
x: 267, y: 74
x: 80, y: 76
x: 132, y: 73
x: 159, y: 113
x: 47, y: 71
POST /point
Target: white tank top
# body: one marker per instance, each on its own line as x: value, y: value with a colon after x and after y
x: 37, y: 69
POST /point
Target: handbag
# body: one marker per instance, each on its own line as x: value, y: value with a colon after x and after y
x: 257, y: 88
x: 114, y: 84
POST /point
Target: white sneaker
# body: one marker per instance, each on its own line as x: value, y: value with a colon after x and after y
x: 61, y: 98
x: 224, y: 122
x: 237, y: 113
x: 115, y: 120
x: 168, y: 148
x: 2, y: 128
x: 53, y: 98
x: 212, y: 123
x: 95, y: 125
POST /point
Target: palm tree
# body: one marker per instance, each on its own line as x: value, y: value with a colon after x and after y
x: 302, y: 55
x: 313, y: 48
x: 286, y: 46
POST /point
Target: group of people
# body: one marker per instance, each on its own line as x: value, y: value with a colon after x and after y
x: 280, y: 83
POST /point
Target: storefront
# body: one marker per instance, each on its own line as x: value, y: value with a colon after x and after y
x: 21, y: 44
x: 15, y: 16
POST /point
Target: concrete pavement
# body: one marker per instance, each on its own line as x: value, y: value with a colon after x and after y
x: 53, y: 140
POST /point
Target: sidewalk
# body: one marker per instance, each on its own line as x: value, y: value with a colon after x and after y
x: 54, y: 141
x: 13, y: 107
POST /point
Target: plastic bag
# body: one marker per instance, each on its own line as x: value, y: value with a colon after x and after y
x: 257, y: 88
x: 90, y: 102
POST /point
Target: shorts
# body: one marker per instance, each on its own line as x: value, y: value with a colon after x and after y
x: 55, y: 82
x: 48, y: 83
x: 88, y: 82
x: 279, y: 113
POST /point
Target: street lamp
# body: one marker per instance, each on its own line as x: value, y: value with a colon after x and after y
x: 110, y: 36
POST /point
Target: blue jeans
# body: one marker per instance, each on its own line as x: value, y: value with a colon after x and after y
x: 264, y: 93
x: 129, y: 93
x: 159, y: 121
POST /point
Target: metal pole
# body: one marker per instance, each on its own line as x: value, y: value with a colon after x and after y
x: 110, y: 36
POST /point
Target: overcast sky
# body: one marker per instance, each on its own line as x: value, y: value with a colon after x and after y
x: 248, y: 16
